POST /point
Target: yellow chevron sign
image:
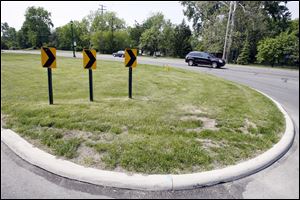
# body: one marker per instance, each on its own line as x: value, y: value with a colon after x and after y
x: 130, y: 57
x: 89, y: 59
x: 48, y: 57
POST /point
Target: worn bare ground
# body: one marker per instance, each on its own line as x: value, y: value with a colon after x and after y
x: 207, y: 143
x: 247, y: 125
x: 76, y: 133
x: 88, y: 157
x: 193, y: 109
x: 194, y: 112
x: 3, y: 120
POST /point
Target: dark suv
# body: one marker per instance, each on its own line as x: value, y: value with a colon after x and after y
x: 203, y: 58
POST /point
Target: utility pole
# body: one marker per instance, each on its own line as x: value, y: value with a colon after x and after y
x: 224, y: 57
x: 112, y: 34
x: 73, y: 39
x: 231, y: 30
x: 101, y: 38
x: 102, y: 8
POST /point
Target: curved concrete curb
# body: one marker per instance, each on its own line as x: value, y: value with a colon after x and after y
x: 70, y: 170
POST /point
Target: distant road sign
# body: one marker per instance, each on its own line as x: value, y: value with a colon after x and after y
x: 130, y: 57
x: 89, y: 59
x: 48, y: 56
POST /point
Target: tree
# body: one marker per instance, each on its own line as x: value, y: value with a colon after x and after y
x: 8, y: 36
x: 155, y: 37
x: 150, y: 40
x: 62, y: 36
x: 181, y: 43
x: 122, y: 39
x: 135, y: 34
x: 103, y: 29
x: 167, y: 38
x: 278, y: 16
x: 36, y: 27
x: 101, y: 22
x: 202, y: 13
x: 244, y: 56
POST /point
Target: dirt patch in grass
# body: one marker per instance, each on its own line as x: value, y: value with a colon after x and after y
x: 124, y: 130
x: 3, y: 120
x: 76, y: 133
x: 193, y: 109
x: 88, y: 157
x: 248, y: 126
x: 207, y: 143
x: 206, y: 123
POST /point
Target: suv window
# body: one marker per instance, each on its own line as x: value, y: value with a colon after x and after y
x: 198, y: 54
x: 201, y: 55
x: 211, y: 55
x: 206, y: 55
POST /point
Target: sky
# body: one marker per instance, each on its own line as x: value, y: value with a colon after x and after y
x: 62, y: 12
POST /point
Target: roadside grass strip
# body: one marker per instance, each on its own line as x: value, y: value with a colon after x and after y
x: 177, y: 122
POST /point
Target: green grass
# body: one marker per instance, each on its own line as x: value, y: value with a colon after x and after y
x: 146, y: 134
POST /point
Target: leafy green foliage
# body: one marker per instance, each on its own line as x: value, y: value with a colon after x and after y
x: 244, y: 57
x: 36, y: 27
x: 281, y: 49
x: 279, y: 16
x: 135, y: 34
x: 108, y: 32
x: 62, y: 36
x: 153, y: 35
x: 8, y: 36
x: 150, y: 39
x: 181, y: 43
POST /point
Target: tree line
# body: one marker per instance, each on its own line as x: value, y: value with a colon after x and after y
x: 241, y: 32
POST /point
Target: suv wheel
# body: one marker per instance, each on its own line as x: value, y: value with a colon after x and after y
x: 191, y: 63
x: 214, y: 65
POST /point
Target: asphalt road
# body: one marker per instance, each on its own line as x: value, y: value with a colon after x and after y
x: 280, y: 180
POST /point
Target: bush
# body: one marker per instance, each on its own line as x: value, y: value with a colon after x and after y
x: 283, y: 49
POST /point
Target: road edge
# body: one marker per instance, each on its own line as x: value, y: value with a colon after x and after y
x: 74, y: 171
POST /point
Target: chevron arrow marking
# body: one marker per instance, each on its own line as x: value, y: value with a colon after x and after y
x: 51, y: 57
x: 132, y: 58
x: 91, y: 61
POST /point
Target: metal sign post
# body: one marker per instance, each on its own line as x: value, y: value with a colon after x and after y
x: 48, y: 58
x: 91, y: 84
x: 130, y: 61
x: 130, y: 83
x: 89, y: 62
x: 50, y: 86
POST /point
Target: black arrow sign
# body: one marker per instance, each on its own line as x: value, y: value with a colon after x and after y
x: 91, y: 57
x: 132, y: 58
x: 51, y: 57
